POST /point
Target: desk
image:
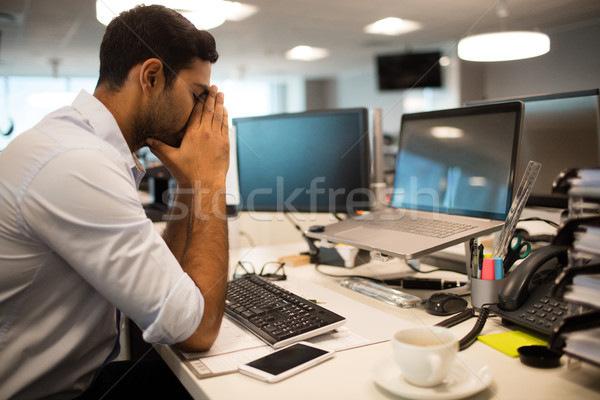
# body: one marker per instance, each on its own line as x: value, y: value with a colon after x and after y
x: 348, y: 374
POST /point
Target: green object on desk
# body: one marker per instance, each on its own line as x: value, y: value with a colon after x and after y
x: 509, y: 342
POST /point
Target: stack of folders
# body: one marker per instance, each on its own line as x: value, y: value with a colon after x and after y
x: 585, y: 251
x: 583, y: 188
x: 585, y: 290
x: 582, y: 338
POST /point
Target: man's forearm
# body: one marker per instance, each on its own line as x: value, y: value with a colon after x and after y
x: 179, y: 218
x: 206, y: 260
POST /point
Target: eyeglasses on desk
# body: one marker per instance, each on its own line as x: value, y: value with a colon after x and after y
x: 272, y: 270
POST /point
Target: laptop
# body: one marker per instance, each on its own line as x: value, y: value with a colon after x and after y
x: 454, y: 168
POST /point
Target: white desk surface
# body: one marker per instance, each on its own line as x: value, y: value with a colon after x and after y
x: 348, y: 374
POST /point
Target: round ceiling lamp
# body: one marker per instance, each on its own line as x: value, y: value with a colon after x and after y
x: 503, y: 46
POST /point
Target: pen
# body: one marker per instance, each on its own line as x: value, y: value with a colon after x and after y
x: 424, y: 283
x: 480, y: 254
x: 474, y: 258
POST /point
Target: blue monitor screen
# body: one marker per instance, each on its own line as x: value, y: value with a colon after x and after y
x: 314, y: 161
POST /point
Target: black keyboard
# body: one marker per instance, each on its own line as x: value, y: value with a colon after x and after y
x: 277, y: 316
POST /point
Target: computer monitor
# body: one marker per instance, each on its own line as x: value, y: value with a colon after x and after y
x: 560, y: 131
x: 316, y: 161
x: 162, y: 187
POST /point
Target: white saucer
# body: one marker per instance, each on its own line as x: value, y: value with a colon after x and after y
x: 468, y: 377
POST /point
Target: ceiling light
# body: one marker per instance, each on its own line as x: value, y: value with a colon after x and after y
x: 204, y: 14
x: 445, y: 61
x: 306, y: 53
x: 206, y: 19
x: 392, y: 26
x: 503, y: 46
x: 236, y: 11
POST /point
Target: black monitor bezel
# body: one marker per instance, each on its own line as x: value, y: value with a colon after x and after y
x: 555, y: 200
x: 516, y: 107
x: 364, y: 142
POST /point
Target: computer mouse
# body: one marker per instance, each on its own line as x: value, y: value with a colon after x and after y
x: 442, y: 303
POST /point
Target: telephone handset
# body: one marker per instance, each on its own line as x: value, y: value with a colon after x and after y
x: 521, y: 280
x: 524, y: 300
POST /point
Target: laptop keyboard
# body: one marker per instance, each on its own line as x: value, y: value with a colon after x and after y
x: 424, y: 226
x: 275, y: 315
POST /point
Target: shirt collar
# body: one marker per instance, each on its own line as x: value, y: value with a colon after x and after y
x: 106, y: 128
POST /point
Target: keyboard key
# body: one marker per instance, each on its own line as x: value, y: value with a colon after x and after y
x: 423, y: 226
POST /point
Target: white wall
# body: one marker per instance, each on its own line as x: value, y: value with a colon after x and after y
x: 573, y: 63
x: 359, y: 88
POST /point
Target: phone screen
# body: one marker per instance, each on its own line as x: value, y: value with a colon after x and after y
x: 287, y: 358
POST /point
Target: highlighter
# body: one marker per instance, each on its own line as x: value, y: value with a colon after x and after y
x: 498, y: 270
x: 488, y: 269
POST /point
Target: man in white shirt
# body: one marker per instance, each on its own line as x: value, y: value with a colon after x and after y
x: 75, y: 244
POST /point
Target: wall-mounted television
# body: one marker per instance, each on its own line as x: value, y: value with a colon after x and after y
x: 409, y: 70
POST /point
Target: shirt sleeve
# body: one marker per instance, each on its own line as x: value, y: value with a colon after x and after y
x: 84, y: 207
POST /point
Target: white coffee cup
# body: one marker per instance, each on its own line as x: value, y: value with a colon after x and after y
x: 425, y: 355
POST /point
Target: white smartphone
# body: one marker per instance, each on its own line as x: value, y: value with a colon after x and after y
x: 285, y: 362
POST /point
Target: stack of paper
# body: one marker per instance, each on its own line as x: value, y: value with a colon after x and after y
x: 585, y: 344
x: 585, y: 290
x: 584, y: 253
x: 586, y: 183
x: 588, y: 240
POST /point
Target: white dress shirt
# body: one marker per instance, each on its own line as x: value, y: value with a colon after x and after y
x: 75, y: 245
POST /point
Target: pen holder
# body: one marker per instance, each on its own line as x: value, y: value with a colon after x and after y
x: 484, y: 291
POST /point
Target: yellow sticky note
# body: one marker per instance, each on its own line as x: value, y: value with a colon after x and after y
x: 509, y: 342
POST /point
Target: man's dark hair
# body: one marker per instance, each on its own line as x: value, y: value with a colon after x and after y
x: 151, y: 32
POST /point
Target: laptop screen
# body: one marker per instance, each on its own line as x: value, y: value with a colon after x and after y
x: 458, y: 161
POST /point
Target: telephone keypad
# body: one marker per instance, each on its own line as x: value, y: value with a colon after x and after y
x: 545, y: 313
x: 540, y: 312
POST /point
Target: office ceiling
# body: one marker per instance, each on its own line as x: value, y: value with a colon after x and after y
x: 62, y: 37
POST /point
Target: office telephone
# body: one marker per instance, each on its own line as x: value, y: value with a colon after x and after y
x: 525, y: 298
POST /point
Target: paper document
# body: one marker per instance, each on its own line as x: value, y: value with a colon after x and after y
x: 219, y: 364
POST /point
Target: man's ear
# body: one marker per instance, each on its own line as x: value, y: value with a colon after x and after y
x: 152, y: 77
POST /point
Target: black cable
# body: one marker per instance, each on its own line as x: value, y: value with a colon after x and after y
x: 313, y: 249
x: 551, y: 223
x: 546, y: 238
x: 317, y: 265
x: 471, y: 337
x: 291, y: 221
x: 457, y: 318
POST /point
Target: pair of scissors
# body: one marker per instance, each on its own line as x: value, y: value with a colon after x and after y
x: 517, y: 249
